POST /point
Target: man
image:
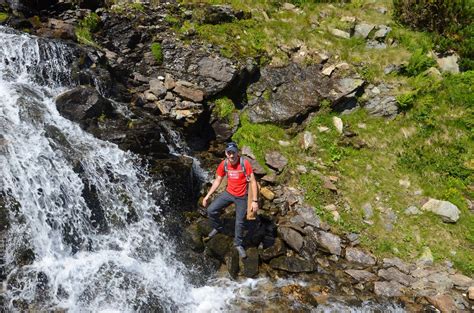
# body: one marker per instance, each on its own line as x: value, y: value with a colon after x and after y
x: 236, y: 192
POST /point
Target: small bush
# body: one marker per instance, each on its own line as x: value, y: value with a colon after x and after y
x: 224, y: 107
x: 418, y: 63
x: 157, y: 52
x: 3, y: 17
x: 89, y: 25
x: 405, y: 101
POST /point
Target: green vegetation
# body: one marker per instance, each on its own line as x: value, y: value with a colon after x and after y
x: 87, y: 26
x: 418, y: 63
x: 157, y: 52
x: 449, y: 21
x: 224, y: 107
x: 128, y: 9
x: 3, y: 17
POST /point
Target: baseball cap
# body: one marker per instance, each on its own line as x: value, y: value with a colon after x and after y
x: 232, y: 146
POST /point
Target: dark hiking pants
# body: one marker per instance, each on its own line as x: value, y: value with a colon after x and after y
x: 222, y: 201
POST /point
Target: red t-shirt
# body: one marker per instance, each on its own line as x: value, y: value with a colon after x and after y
x: 236, y: 181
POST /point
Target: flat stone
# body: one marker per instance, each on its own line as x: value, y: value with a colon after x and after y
x: 157, y: 88
x: 276, y: 250
x: 170, y: 83
x: 275, y: 160
x: 292, y: 264
x: 446, y: 210
x: 219, y: 69
x: 309, y: 216
x: 149, y: 96
x: 189, y: 91
x: 327, y: 70
x: 399, y: 264
x: 444, y: 303
x: 363, y: 30
x: 392, y: 274
x: 358, y: 256
x: 362, y: 275
x: 339, y: 33
x: 462, y: 281
x: 329, y: 242
x: 388, y: 289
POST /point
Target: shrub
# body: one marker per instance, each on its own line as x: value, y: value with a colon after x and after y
x: 87, y: 26
x: 224, y: 107
x: 449, y: 20
x: 157, y: 52
x: 418, y: 63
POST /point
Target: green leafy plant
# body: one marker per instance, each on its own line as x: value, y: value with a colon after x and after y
x: 418, y: 63
x: 157, y: 52
x: 87, y: 26
x: 224, y: 107
x: 3, y: 17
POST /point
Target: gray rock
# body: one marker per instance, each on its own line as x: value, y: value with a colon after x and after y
x: 362, y: 275
x: 340, y: 33
x: 391, y: 68
x: 383, y: 106
x: 232, y: 263
x: 412, y: 210
x: 363, y: 30
x: 157, y: 88
x: 448, y: 212
x: 246, y: 150
x: 249, y: 266
x: 388, y: 289
x: 291, y: 237
x: 308, y: 140
x: 257, y: 168
x: 443, y: 302
x: 329, y: 242
x: 426, y: 257
x: 392, y: 274
x: 368, y: 211
x: 382, y: 32
x: 358, y: 256
x: 278, y: 249
x: 309, y: 216
x: 219, y: 69
x: 275, y: 160
x: 292, y: 264
x: 402, y: 266
x: 462, y: 281
x: 448, y: 64
x: 374, y: 44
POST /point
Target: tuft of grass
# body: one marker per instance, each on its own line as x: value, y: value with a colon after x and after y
x: 157, y: 52
x: 418, y: 63
x: 86, y: 27
x: 224, y: 107
x: 3, y: 17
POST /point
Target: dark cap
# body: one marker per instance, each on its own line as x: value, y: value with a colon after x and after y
x: 232, y: 146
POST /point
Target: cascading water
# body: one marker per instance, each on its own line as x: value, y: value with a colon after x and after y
x: 80, y: 205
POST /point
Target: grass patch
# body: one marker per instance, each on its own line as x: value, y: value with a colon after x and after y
x: 3, y: 17
x: 86, y: 27
x: 157, y: 52
x: 224, y: 107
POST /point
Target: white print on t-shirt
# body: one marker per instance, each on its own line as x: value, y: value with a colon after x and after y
x: 233, y: 174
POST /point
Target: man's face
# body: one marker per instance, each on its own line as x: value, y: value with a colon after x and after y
x: 232, y: 156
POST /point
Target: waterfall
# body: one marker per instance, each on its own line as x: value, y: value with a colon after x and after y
x: 82, y: 236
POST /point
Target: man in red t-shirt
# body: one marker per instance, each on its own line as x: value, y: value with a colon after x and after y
x: 236, y: 192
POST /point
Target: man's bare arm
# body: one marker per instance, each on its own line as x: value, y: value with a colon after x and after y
x: 215, y: 184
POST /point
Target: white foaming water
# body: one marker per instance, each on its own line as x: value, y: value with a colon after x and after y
x: 101, y: 255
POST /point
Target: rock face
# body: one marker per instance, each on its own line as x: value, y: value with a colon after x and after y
x: 448, y: 212
x: 82, y: 104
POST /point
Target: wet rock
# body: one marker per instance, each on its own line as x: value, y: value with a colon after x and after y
x: 195, y: 238
x: 292, y: 264
x: 329, y: 242
x: 444, y: 303
x: 275, y: 160
x: 358, y: 256
x: 448, y: 212
x: 291, y: 237
x: 392, y: 274
x: 388, y: 289
x: 362, y: 275
x: 232, y: 263
x: 276, y: 250
x: 249, y: 266
x: 218, y: 246
x: 83, y: 104
x: 300, y: 294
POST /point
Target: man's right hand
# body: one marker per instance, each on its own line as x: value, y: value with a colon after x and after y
x: 204, y: 201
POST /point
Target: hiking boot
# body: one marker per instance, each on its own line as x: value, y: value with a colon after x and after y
x: 241, y: 252
x: 210, y: 235
x: 213, y: 233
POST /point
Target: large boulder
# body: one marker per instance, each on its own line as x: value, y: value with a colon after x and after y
x: 448, y: 212
x: 82, y: 104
